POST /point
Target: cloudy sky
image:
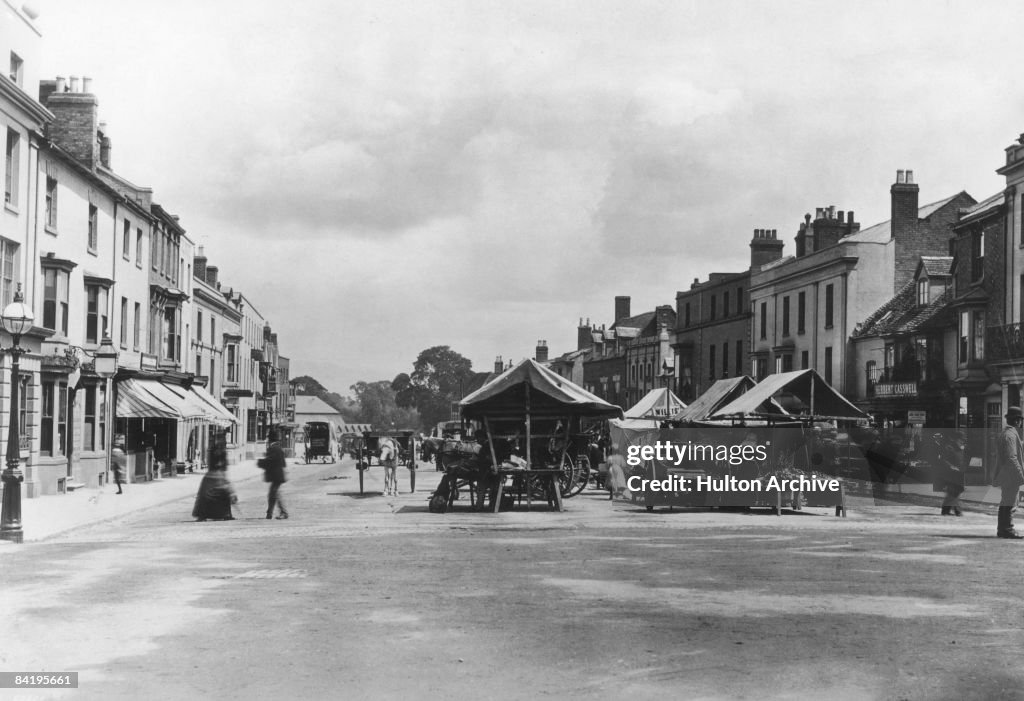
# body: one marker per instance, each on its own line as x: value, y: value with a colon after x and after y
x: 384, y: 176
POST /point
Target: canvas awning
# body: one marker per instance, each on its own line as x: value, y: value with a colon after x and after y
x: 656, y: 404
x: 139, y: 398
x: 714, y: 397
x: 144, y: 398
x: 531, y: 388
x: 218, y: 408
x: 814, y: 396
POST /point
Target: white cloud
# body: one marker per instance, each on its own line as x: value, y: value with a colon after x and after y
x: 382, y: 176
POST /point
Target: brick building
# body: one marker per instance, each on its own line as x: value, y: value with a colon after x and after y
x: 713, y: 322
x: 629, y: 358
x: 979, y: 302
x: 903, y: 355
x: 805, y: 306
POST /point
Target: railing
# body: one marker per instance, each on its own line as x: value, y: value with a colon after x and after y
x: 894, y: 382
x: 1004, y: 342
x: 905, y: 381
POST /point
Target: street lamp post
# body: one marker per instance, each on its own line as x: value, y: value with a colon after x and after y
x: 16, y: 319
x: 105, y: 365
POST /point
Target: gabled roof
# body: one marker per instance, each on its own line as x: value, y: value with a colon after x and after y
x: 640, y: 321
x: 882, y: 232
x: 902, y: 315
x: 982, y: 209
x: 936, y: 266
x: 310, y: 404
x: 478, y: 380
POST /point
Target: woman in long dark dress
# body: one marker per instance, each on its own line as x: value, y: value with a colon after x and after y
x: 216, y: 495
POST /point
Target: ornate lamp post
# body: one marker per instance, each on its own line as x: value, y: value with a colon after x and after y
x: 106, y: 367
x: 16, y: 319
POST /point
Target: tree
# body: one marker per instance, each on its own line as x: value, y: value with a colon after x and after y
x: 438, y: 378
x: 377, y: 406
x: 308, y: 385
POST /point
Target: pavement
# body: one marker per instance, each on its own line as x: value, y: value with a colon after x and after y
x: 47, y: 516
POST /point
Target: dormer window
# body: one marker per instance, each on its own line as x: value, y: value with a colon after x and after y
x: 922, y: 292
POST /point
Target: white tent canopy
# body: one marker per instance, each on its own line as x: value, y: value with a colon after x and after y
x: 810, y: 393
x: 657, y: 404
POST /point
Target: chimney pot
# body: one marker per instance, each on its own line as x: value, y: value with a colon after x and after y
x: 86, y: 84
x: 61, y: 83
x: 74, y: 83
x: 842, y: 216
x: 900, y: 177
x: 910, y: 177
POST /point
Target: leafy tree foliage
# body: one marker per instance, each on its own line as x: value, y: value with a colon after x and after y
x: 438, y: 377
x: 377, y: 406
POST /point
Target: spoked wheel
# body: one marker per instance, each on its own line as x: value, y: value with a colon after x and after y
x: 580, y: 477
x: 573, y: 477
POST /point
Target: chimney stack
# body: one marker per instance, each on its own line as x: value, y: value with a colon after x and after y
x: 828, y: 230
x: 621, y: 307
x: 199, y: 265
x: 541, y: 354
x: 904, y: 194
x: 498, y: 365
x: 75, y: 126
x: 211, y: 275
x: 765, y: 247
x: 584, y: 335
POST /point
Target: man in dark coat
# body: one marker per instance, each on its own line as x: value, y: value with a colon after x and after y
x: 1009, y: 475
x: 273, y: 472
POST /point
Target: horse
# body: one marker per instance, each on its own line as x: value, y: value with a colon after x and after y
x: 389, y: 459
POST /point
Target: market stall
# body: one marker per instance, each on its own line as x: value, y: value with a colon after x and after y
x: 530, y: 417
x: 762, y: 447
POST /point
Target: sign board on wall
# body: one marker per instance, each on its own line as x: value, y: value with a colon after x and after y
x: 916, y: 417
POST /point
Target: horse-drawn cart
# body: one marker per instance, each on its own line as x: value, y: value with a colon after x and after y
x: 373, y: 442
x: 320, y: 443
x: 522, y: 450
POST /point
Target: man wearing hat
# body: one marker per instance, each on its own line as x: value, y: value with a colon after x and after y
x: 1009, y: 475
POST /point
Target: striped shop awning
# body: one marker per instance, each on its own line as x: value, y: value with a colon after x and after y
x: 219, y: 409
x: 147, y: 399
x: 150, y: 398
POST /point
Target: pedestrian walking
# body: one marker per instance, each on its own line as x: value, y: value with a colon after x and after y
x: 216, y: 495
x: 273, y: 472
x: 1009, y: 474
x: 954, y: 457
x: 118, y: 461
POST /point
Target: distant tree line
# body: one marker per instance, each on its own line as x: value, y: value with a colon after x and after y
x: 417, y: 400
